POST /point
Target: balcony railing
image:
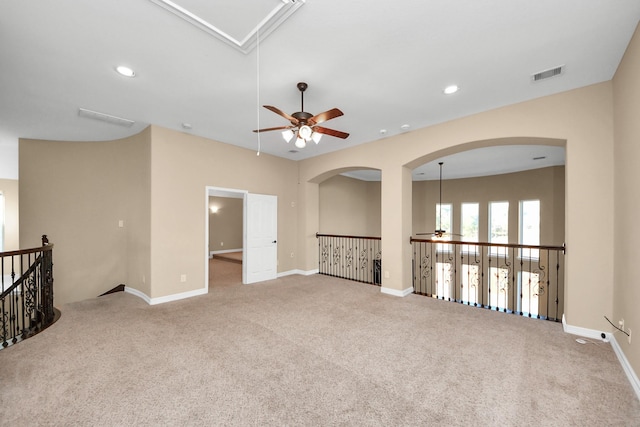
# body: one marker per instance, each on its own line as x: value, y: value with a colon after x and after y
x: 518, y: 279
x: 356, y: 258
x: 26, y: 293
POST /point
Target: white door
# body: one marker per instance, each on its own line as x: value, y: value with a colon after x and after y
x: 261, y: 234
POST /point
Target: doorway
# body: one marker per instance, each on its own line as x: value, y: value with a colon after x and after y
x: 225, y: 240
x: 240, y: 237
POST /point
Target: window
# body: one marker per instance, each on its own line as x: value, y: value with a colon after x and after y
x: 498, y: 223
x: 470, y: 281
x: 529, y: 227
x: 469, y: 225
x: 529, y: 285
x: 444, y: 221
x: 1, y: 222
x: 499, y: 275
x: 499, y: 285
x: 444, y: 278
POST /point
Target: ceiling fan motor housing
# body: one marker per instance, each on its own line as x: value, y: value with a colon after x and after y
x: 302, y: 117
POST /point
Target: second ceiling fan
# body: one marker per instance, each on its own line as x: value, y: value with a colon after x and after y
x: 304, y: 126
x: 439, y: 233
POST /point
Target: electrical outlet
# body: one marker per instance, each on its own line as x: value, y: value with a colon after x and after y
x: 183, y: 278
x: 621, y: 324
x: 629, y: 336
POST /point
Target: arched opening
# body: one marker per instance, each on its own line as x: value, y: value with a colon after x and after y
x: 508, y: 198
x: 350, y: 225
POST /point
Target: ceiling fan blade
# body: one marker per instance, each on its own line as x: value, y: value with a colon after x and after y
x: 292, y: 119
x: 276, y: 128
x: 323, y: 117
x: 330, y: 132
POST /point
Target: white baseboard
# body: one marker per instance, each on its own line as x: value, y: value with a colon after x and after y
x: 591, y: 333
x: 395, y: 292
x: 300, y: 272
x: 168, y: 298
x: 226, y: 251
x: 631, y: 375
x: 137, y: 293
x: 583, y: 332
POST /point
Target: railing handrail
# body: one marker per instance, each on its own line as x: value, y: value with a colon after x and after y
x: 347, y: 236
x: 526, y: 280
x: 36, y: 263
x: 47, y: 247
x: 562, y: 248
x: 357, y: 258
x: 26, y: 306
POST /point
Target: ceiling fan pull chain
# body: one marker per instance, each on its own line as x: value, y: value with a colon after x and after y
x: 258, y: 85
x: 440, y: 215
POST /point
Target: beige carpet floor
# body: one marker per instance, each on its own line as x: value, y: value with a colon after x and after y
x: 311, y: 351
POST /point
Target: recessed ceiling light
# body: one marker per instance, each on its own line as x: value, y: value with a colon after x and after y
x: 383, y: 131
x: 186, y: 126
x: 125, y: 71
x: 405, y: 126
x: 451, y: 89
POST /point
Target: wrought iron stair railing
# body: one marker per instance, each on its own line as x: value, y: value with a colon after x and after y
x: 357, y: 258
x: 26, y: 293
x: 518, y: 279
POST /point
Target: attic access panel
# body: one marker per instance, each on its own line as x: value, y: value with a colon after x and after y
x: 234, y: 22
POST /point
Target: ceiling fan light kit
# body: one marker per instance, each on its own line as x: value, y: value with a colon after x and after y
x: 287, y: 135
x: 305, y: 132
x: 304, y: 126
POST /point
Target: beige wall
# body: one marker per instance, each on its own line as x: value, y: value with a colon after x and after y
x: 349, y: 206
x: 76, y: 193
x: 9, y: 188
x: 626, y: 225
x: 352, y: 207
x: 156, y: 182
x: 225, y: 226
x: 544, y: 184
x: 581, y: 119
x: 182, y: 167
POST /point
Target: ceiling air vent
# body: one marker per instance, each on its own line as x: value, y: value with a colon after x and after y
x: 547, y: 74
x: 95, y: 115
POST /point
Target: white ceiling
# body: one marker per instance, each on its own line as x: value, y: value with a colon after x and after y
x: 384, y: 64
x: 480, y: 162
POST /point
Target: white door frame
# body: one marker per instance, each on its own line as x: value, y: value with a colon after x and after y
x: 231, y: 193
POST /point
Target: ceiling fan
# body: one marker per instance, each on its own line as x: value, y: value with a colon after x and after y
x: 305, y: 125
x: 439, y: 233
